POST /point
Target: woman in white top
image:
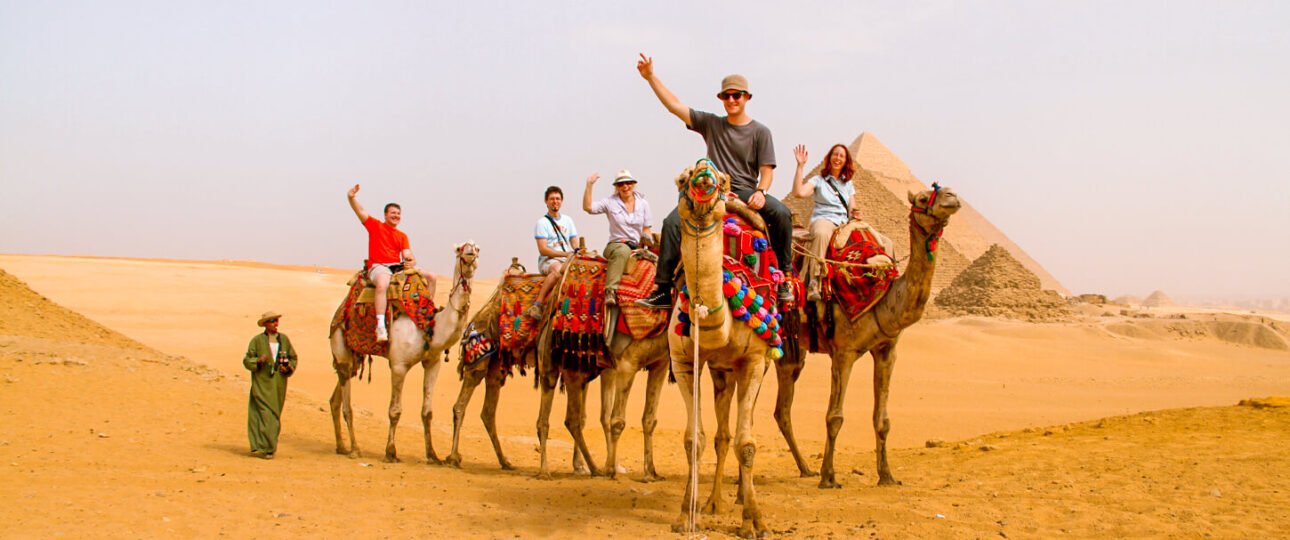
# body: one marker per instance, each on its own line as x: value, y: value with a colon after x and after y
x: 832, y: 191
x: 629, y: 217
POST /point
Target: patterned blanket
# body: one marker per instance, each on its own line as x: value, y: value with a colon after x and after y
x: 408, y: 297
x: 578, y: 325
x: 855, y: 289
x: 518, y: 332
x: 638, y: 282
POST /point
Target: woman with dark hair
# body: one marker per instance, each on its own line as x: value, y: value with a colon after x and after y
x: 832, y: 192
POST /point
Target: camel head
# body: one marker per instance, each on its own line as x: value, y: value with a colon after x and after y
x: 932, y: 209
x: 467, y: 258
x: 703, y: 189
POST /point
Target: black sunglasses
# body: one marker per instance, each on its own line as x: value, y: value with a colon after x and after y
x: 732, y: 95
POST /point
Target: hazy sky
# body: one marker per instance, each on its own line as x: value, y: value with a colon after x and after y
x: 1127, y: 146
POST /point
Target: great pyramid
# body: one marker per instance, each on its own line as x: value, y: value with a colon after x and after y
x: 997, y: 285
x: 881, y: 187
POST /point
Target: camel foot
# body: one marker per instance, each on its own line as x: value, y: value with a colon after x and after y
x: 391, y: 458
x: 506, y: 466
x: 828, y: 482
x: 581, y: 470
x: 341, y: 450
x: 887, y: 480
x: 651, y: 476
x: 454, y: 460
x: 543, y: 475
x: 807, y: 473
x: 679, y: 525
x: 753, y: 528
x: 434, y: 460
x: 354, y: 454
x: 713, y: 506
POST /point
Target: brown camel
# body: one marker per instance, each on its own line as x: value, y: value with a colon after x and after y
x: 878, y: 330
x: 408, y: 346
x: 493, y: 372
x: 629, y: 356
x: 733, y: 353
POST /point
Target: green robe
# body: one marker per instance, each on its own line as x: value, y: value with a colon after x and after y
x: 268, y: 391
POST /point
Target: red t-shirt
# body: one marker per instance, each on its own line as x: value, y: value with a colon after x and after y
x: 385, y: 244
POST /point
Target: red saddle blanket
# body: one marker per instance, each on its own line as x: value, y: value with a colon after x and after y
x: 856, y: 289
x: 408, y: 296
x: 639, y: 322
x: 578, y: 324
x: 518, y: 331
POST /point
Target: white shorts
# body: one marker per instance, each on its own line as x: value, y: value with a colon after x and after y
x: 379, y: 270
x: 549, y: 264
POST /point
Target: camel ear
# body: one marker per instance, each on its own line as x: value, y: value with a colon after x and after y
x: 683, y: 178
x: 457, y: 247
x: 911, y: 196
x: 725, y: 182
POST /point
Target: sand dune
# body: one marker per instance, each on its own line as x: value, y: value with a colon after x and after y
x: 133, y: 424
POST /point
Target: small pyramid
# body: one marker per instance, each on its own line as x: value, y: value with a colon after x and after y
x: 1158, y: 299
x: 997, y: 285
x: 1128, y: 300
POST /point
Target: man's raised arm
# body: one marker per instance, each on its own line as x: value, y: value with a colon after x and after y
x: 358, y: 208
x: 646, y: 68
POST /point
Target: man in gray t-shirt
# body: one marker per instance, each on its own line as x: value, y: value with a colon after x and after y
x: 739, y: 146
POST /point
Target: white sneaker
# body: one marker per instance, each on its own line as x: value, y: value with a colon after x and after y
x: 382, y: 334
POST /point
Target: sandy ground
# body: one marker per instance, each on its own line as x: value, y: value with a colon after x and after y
x: 137, y: 427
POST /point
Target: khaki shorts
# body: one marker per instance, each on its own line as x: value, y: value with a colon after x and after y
x: 379, y: 270
x: 549, y: 264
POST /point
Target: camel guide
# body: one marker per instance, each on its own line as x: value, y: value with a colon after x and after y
x: 271, y: 359
x: 739, y: 146
x: 388, y: 252
x: 554, y: 234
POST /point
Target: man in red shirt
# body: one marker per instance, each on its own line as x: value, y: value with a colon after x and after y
x: 388, y: 251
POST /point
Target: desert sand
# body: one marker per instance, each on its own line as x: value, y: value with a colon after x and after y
x: 132, y: 423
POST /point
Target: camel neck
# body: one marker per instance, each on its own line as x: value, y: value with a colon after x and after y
x: 911, y: 290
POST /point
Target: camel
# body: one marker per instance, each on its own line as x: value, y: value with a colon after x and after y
x: 408, y: 346
x: 737, y: 358
x: 493, y: 373
x: 878, y: 330
x: 629, y: 356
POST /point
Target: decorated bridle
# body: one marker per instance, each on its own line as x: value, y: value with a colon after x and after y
x: 697, y: 193
x: 464, y: 258
x: 933, y: 238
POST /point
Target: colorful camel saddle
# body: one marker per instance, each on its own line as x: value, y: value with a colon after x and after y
x: 749, y: 282
x: 578, y: 324
x: 638, y: 282
x: 408, y: 296
x: 853, y: 288
x: 518, y: 332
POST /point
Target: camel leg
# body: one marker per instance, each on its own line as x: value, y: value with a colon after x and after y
x: 337, y: 403
x: 722, y: 393
x: 398, y: 372
x: 575, y: 416
x: 749, y: 385
x: 347, y: 408
x: 431, y: 366
x: 685, y: 374
x: 884, y: 362
x: 470, y: 380
x: 649, y: 419
x: 841, y: 374
x: 544, y: 424
x: 614, y: 413
x: 493, y: 391
x: 787, y: 375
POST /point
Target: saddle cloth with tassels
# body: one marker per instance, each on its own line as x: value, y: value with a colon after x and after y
x: 518, y: 331
x: 639, y: 322
x: 855, y: 289
x: 578, y: 324
x: 408, y: 296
